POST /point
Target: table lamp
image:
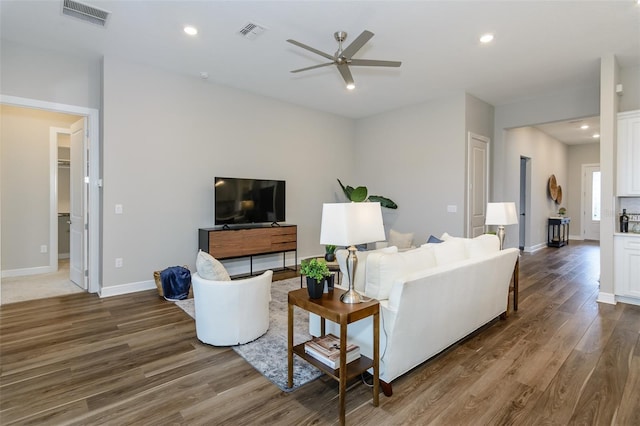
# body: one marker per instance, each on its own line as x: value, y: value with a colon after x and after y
x: 501, y: 214
x: 350, y: 224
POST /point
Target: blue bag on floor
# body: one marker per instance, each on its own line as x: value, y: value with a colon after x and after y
x: 176, y: 282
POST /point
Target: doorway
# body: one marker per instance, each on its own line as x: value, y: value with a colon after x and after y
x: 591, y: 202
x: 525, y: 191
x: 90, y: 181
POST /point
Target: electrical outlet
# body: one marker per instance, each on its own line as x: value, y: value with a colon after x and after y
x: 119, y: 262
x: 118, y: 209
x: 43, y: 249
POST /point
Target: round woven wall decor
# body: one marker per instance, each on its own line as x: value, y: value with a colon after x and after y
x: 559, y: 195
x: 553, y: 187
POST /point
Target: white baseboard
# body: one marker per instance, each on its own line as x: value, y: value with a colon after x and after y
x: 531, y: 249
x: 575, y: 237
x: 117, y: 290
x: 628, y: 300
x: 608, y: 298
x: 27, y: 271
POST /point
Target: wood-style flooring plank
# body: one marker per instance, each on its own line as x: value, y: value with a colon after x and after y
x: 135, y: 359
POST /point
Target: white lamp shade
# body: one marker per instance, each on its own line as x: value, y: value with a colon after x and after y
x: 501, y: 214
x: 347, y: 224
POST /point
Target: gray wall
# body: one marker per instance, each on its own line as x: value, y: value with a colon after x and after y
x: 165, y: 139
x: 416, y: 156
x: 548, y: 156
x: 25, y: 175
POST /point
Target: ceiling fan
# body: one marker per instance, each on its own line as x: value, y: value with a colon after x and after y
x: 343, y: 58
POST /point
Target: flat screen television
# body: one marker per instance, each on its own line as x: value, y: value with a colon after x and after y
x: 245, y: 201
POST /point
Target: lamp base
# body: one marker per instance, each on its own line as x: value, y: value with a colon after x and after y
x: 351, y: 296
x: 501, y: 233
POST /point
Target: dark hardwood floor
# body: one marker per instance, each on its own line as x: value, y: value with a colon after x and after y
x: 135, y: 359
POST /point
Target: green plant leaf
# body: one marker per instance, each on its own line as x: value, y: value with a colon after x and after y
x: 384, y: 202
x: 359, y: 194
x: 347, y: 190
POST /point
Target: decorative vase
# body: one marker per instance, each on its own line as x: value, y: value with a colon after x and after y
x: 315, y: 288
x: 329, y: 279
x: 330, y: 257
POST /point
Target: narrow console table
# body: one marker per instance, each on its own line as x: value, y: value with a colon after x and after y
x: 558, y: 233
x: 329, y: 307
x: 248, y: 242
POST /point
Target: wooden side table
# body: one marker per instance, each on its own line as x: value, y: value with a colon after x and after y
x: 558, y: 231
x: 329, y: 307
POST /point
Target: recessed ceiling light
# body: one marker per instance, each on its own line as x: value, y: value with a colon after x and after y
x: 351, y: 86
x: 190, y: 30
x: 596, y: 135
x: 486, y: 38
x: 584, y: 126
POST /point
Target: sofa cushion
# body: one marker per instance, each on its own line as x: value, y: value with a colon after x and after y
x: 450, y: 250
x: 210, y: 268
x: 481, y: 245
x: 359, y: 281
x: 400, y: 240
x: 385, y: 269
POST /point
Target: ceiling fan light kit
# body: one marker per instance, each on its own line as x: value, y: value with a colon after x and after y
x: 343, y: 58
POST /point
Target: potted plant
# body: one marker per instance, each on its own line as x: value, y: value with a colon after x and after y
x: 562, y: 211
x: 316, y: 270
x: 329, y: 252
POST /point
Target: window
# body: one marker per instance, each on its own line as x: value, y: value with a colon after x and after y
x: 595, y: 196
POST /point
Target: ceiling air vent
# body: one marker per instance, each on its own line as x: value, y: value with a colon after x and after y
x: 85, y: 12
x: 251, y: 31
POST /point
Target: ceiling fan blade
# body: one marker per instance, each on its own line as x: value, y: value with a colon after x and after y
x: 311, y: 49
x: 313, y: 67
x: 346, y: 74
x: 374, y: 63
x: 357, y: 44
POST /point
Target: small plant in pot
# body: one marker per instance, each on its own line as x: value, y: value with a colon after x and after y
x: 316, y: 270
x: 329, y: 253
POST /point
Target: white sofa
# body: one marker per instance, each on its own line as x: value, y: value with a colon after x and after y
x: 430, y: 298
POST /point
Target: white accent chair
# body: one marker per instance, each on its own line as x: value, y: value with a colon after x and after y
x: 232, y: 312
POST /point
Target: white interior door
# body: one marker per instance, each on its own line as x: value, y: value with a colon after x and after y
x: 591, y: 202
x: 78, y: 204
x: 478, y: 183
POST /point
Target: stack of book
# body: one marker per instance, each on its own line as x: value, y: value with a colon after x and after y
x: 326, y: 349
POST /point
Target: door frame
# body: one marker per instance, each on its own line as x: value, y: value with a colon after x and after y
x: 94, y: 181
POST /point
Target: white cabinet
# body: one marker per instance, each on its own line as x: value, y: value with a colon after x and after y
x: 626, y: 254
x: 628, y: 183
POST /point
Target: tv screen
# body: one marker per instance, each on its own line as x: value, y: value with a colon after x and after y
x: 241, y: 201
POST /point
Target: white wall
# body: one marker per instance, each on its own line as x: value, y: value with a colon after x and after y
x: 49, y: 76
x: 25, y: 188
x: 630, y: 80
x: 165, y: 139
x: 416, y: 157
x: 578, y: 155
x: 548, y: 156
x: 546, y: 109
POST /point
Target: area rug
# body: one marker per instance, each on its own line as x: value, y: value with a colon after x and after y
x: 268, y: 353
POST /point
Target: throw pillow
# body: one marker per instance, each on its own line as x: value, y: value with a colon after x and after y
x: 400, y: 240
x: 433, y: 240
x: 210, y: 268
x: 359, y: 281
x: 482, y: 245
x: 385, y: 269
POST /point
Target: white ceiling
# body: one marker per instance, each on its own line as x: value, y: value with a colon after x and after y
x: 540, y: 47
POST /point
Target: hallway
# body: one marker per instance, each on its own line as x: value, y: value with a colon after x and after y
x: 31, y: 287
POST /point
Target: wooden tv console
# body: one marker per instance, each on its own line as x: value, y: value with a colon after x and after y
x: 248, y: 242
